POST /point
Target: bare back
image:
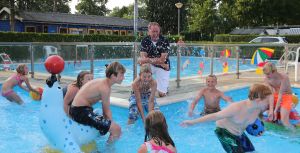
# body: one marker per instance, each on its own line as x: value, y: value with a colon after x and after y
x: 91, y: 92
x: 280, y: 83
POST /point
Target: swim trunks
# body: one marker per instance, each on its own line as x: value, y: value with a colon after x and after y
x: 232, y: 143
x: 133, y: 109
x: 209, y: 111
x: 286, y: 101
x: 85, y: 115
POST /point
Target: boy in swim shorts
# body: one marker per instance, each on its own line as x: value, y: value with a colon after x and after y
x: 280, y: 84
x: 143, y: 94
x: 90, y: 93
x: 232, y: 121
x: 211, y: 96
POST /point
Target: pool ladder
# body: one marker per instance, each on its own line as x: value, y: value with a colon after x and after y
x: 290, y: 58
x: 6, y: 61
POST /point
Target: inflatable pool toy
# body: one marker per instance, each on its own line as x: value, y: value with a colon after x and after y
x: 256, y: 128
x: 294, y: 118
x: 185, y: 64
x: 36, y: 96
x: 295, y: 100
x: 62, y: 132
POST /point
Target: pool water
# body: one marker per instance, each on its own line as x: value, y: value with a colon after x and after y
x: 191, y: 70
x: 21, y: 133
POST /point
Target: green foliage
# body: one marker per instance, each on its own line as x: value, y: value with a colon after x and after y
x: 41, y: 37
x: 128, y: 11
x: 166, y: 14
x: 92, y: 7
x: 43, y: 5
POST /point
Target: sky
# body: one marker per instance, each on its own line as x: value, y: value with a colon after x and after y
x: 110, y: 4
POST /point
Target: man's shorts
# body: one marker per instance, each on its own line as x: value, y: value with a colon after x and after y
x: 162, y: 77
x: 133, y: 109
x: 286, y: 101
x: 85, y: 115
x: 232, y: 143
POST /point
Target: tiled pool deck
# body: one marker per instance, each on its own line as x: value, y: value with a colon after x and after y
x: 188, y: 86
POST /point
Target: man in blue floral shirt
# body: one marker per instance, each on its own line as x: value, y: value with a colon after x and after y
x: 154, y: 50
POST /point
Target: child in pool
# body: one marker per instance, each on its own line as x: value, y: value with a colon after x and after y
x: 71, y: 90
x: 81, y: 109
x: 142, y: 95
x: 211, y: 96
x: 157, y: 138
x: 232, y: 121
x: 17, y: 79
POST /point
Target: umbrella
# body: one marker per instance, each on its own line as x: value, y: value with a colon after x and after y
x: 261, y: 54
x: 225, y: 53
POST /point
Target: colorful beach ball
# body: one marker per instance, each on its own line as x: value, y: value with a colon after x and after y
x: 36, y: 96
x: 256, y: 128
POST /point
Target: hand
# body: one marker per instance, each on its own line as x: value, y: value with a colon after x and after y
x: 271, y: 115
x: 187, y: 123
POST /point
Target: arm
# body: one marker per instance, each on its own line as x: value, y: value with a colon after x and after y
x: 271, y: 102
x: 26, y: 80
x: 160, y: 61
x: 70, y: 95
x: 152, y: 95
x: 143, y: 149
x: 137, y: 94
x: 226, y: 98
x: 225, y: 113
x: 195, y: 101
x: 106, y: 104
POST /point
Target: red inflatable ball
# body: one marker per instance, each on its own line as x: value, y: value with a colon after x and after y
x: 54, y: 64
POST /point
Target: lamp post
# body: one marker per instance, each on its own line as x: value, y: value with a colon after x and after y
x: 178, y: 5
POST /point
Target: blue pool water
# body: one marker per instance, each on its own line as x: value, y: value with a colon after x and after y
x: 191, y: 70
x: 21, y: 133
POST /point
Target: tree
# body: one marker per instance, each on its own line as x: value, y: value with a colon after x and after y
x: 128, y: 12
x: 165, y: 13
x: 92, y: 7
x: 43, y: 5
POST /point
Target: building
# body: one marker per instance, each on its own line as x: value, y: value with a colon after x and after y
x: 53, y: 22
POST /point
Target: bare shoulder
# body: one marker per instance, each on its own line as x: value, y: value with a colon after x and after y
x: 142, y: 149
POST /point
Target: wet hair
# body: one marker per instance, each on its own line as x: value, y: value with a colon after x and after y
x: 145, y: 68
x: 156, y: 128
x: 153, y: 24
x: 212, y: 76
x: 21, y: 69
x: 114, y: 68
x: 269, y: 67
x: 259, y: 91
x: 80, y: 77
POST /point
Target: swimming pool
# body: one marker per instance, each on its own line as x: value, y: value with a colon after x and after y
x: 20, y: 130
x: 191, y: 70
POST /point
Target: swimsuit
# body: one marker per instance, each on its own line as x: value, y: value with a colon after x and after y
x: 232, y: 143
x: 286, y: 101
x: 133, y: 109
x: 86, y: 116
x: 152, y: 148
x: 9, y: 92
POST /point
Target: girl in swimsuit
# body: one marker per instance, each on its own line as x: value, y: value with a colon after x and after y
x: 71, y: 90
x: 157, y: 138
x: 17, y: 79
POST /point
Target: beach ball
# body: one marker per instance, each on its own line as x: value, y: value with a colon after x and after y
x: 256, y: 128
x: 36, y: 96
x: 54, y: 64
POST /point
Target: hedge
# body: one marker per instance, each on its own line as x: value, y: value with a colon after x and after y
x: 247, y: 38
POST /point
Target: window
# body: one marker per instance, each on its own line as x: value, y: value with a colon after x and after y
x: 101, y: 32
x: 63, y: 30
x: 270, y: 40
x: 116, y: 32
x: 123, y: 32
x: 108, y: 32
x: 45, y: 29
x: 91, y: 31
x: 75, y: 31
x: 130, y: 32
x: 29, y: 29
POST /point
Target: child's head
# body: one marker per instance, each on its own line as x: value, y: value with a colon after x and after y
x: 259, y: 91
x: 83, y: 77
x: 22, y: 69
x: 156, y: 128
x: 269, y: 68
x: 211, y: 81
x: 145, y: 72
x: 114, y: 68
